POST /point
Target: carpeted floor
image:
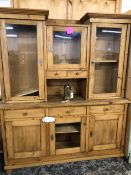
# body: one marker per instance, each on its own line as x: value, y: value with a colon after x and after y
x: 111, y: 166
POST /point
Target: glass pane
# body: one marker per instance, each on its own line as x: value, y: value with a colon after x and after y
x: 67, y: 135
x: 22, y: 58
x: 108, y: 44
x: 105, y: 77
x: 66, y: 48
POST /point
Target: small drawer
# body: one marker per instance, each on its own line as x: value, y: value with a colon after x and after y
x: 31, y: 113
x: 77, y: 74
x: 67, y: 111
x: 56, y: 74
x: 105, y: 109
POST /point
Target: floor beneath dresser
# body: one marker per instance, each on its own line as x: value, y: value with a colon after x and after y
x: 111, y: 166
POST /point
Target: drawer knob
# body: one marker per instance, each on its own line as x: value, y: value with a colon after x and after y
x: 77, y: 73
x: 25, y: 113
x: 106, y: 109
x: 91, y: 134
x: 68, y: 112
x: 48, y: 119
x: 56, y: 74
x: 52, y: 137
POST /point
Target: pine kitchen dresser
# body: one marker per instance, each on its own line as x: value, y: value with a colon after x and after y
x: 38, y: 57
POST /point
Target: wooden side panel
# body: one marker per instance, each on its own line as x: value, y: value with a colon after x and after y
x: 128, y: 79
x: 1, y: 131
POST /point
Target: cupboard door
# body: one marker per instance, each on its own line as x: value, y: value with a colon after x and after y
x: 25, y: 138
x: 107, y: 59
x: 22, y: 53
x: 66, y: 47
x: 105, y: 132
x: 67, y: 135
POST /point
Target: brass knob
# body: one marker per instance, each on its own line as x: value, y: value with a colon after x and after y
x: 25, y: 113
x: 56, y: 74
x: 67, y: 112
x: 106, y: 109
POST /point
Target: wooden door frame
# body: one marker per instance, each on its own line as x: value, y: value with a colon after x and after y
x: 118, y: 93
x: 40, y: 53
x: 84, y: 55
x: 97, y: 117
x: 71, y: 119
x: 9, y: 137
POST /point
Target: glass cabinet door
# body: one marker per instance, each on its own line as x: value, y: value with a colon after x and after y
x: 66, y: 47
x: 107, y: 58
x: 23, y: 62
x: 67, y: 136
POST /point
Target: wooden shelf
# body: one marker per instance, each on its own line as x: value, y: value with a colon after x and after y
x: 67, y: 129
x: 105, y: 61
x: 65, y: 144
x: 54, y: 98
x: 26, y: 92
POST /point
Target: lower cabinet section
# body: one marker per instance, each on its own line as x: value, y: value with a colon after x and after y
x: 25, y: 136
x: 93, y: 132
x: 105, y: 132
x: 68, y: 135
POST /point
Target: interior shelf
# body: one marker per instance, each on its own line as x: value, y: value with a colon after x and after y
x: 105, y: 61
x: 67, y: 128
x: 64, y: 145
x: 27, y: 92
x: 54, y: 98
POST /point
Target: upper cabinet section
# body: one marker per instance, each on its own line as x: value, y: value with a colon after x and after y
x: 109, y: 44
x: 107, y: 60
x: 66, y: 47
x: 23, y: 59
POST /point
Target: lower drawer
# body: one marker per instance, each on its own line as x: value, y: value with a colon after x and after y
x: 105, y: 109
x: 67, y: 111
x: 24, y: 113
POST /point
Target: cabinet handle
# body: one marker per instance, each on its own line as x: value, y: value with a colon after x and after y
x: 106, y: 109
x: 25, y: 113
x: 56, y: 74
x: 52, y: 137
x: 91, y: 134
x: 92, y: 61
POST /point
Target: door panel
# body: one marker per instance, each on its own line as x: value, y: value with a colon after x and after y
x: 66, y: 47
x: 23, y: 63
x: 105, y: 132
x: 107, y: 59
x: 67, y: 136
x: 25, y: 138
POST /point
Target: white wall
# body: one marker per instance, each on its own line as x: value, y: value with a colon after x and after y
x: 5, y: 3
x: 126, y: 5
